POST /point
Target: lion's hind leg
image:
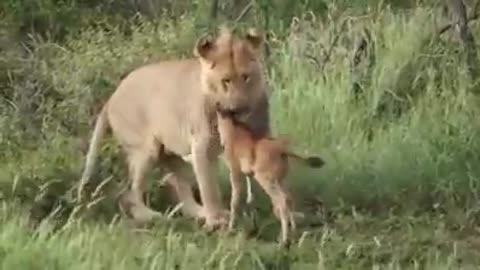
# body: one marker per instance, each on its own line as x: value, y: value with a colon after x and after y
x: 140, y: 159
x: 180, y: 178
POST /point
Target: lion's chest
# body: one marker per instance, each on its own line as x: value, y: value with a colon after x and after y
x: 203, y: 127
x: 215, y: 145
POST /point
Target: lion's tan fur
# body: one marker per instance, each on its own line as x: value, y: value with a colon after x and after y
x: 169, y: 106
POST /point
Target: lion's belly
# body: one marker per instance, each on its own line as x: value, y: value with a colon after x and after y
x: 173, y: 133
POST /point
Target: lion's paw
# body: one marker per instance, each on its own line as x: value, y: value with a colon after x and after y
x: 218, y: 221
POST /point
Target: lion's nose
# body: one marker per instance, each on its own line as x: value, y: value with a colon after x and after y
x: 221, y: 109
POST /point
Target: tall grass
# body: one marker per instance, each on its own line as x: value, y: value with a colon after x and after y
x: 411, y: 134
x: 406, y: 144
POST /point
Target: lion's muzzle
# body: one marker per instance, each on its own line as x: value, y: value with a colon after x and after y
x: 231, y: 112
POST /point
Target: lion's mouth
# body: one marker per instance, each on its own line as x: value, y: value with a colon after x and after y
x: 232, y: 112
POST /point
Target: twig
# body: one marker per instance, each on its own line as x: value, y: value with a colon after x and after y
x: 95, y: 202
x: 102, y: 184
x: 334, y: 43
x: 174, y: 210
x: 466, y: 35
x: 214, y: 10
x: 71, y: 218
x: 358, y: 55
x: 360, y: 49
x: 474, y: 16
x: 314, y: 60
x: 244, y: 12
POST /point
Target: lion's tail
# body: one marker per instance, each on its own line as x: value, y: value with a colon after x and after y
x: 312, y: 161
x: 98, y: 133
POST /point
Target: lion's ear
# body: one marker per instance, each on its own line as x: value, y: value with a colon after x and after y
x: 204, y: 47
x: 254, y: 37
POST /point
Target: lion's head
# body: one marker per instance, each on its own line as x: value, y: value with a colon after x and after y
x: 231, y: 70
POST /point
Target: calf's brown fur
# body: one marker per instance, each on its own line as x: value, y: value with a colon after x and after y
x: 264, y: 158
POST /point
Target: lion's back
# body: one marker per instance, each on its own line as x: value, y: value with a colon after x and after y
x: 154, y: 100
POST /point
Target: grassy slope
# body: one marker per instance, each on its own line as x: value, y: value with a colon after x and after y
x: 405, y: 199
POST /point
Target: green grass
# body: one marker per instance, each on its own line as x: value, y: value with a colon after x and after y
x: 399, y: 189
x: 351, y: 242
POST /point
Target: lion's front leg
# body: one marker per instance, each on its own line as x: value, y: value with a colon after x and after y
x: 204, y: 165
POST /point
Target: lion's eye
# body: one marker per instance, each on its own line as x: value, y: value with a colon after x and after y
x: 226, y: 81
x: 245, y: 78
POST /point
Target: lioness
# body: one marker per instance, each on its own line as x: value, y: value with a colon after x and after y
x: 264, y: 158
x: 171, y: 104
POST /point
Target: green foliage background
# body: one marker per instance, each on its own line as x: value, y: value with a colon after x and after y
x: 403, y: 151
